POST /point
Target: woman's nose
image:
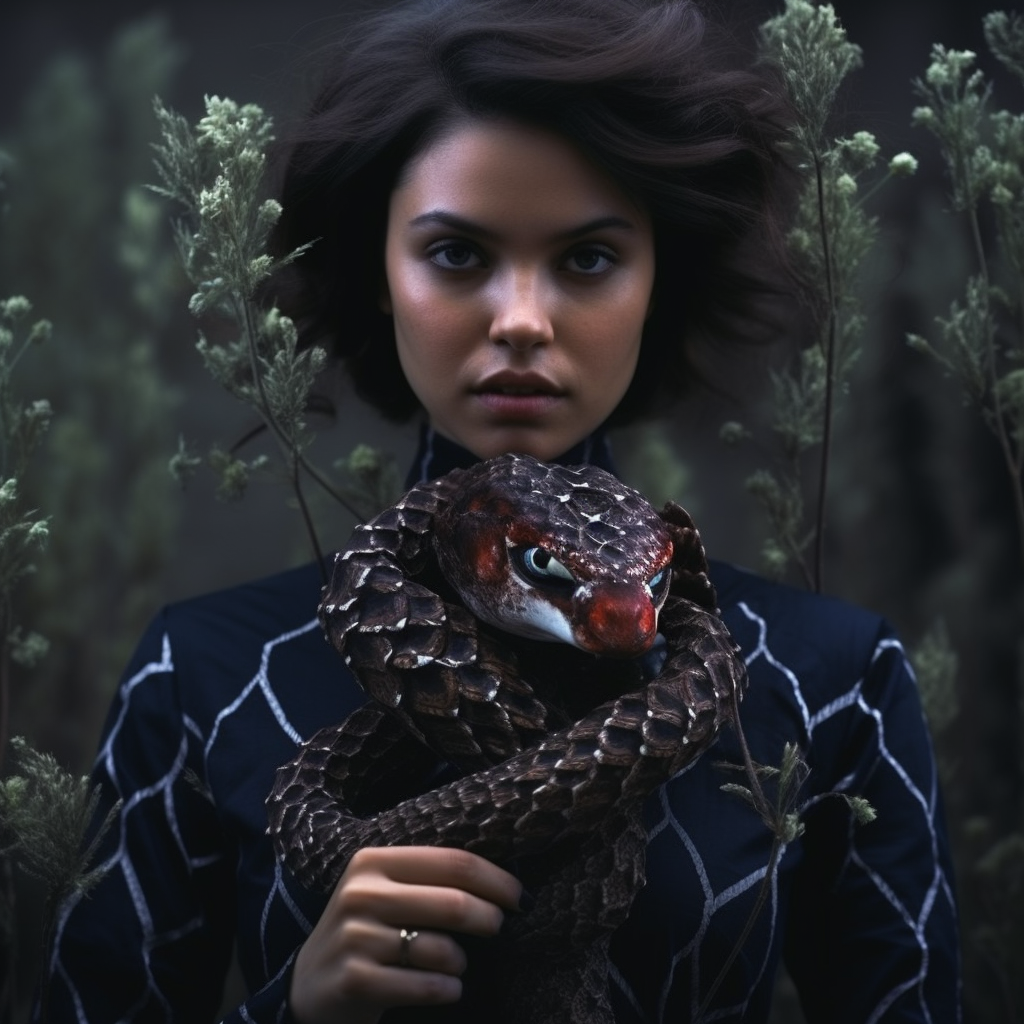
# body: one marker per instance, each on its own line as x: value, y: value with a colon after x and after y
x: 522, y: 314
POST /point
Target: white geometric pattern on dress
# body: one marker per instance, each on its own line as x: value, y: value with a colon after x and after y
x: 262, y: 680
x: 163, y: 788
x: 714, y: 902
x: 120, y: 857
x: 262, y: 686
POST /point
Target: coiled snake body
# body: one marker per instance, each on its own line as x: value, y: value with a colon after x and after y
x: 444, y: 607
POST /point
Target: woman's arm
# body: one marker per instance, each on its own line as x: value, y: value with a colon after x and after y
x: 153, y: 940
x: 872, y: 935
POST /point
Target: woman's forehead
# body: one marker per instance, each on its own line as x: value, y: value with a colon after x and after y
x: 482, y: 170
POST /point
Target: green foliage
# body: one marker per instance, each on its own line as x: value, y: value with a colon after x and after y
x: 45, y: 817
x: 23, y: 533
x: 999, y: 875
x: 22, y: 425
x: 830, y: 238
x: 814, y: 55
x: 373, y: 479
x: 49, y: 829
x: 936, y: 666
x: 1004, y: 34
x: 652, y: 465
x: 216, y: 171
x: 781, y: 816
x: 778, y: 813
x: 981, y: 339
x: 92, y: 249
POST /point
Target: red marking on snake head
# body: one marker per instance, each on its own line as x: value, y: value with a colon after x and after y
x: 482, y: 551
x: 616, y: 619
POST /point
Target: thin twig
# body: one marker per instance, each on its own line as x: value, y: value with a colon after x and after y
x: 288, y: 444
x: 5, y: 680
x: 748, y: 926
x: 308, y: 519
x: 763, y: 808
x: 9, y: 949
x: 999, y: 427
x: 830, y: 361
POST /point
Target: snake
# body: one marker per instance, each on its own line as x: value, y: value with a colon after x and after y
x: 541, y: 649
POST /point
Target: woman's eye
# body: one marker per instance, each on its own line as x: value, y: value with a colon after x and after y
x: 591, y: 260
x: 455, y: 256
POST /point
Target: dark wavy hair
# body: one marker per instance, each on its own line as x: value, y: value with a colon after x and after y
x: 643, y: 88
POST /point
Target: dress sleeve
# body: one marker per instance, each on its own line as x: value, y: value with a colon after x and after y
x: 153, y: 940
x: 872, y: 931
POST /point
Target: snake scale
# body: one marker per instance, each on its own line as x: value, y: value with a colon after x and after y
x: 445, y: 607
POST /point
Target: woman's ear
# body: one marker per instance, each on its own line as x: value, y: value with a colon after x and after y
x: 384, y: 296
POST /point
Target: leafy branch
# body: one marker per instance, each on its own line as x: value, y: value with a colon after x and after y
x: 781, y: 815
x: 982, y: 337
x: 22, y: 531
x: 216, y: 171
x: 831, y: 235
x: 45, y: 818
x: 44, y: 811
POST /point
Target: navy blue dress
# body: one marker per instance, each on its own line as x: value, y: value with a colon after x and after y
x: 223, y: 687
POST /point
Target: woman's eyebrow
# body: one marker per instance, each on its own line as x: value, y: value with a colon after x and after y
x: 459, y: 223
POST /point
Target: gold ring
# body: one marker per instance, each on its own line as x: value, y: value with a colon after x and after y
x: 405, y: 952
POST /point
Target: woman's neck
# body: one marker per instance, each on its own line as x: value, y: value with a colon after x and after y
x: 436, y: 455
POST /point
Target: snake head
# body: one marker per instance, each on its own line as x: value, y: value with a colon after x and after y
x: 566, y: 554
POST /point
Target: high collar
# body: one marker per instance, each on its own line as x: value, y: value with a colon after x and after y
x: 437, y: 455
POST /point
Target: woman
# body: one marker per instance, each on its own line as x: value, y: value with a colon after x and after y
x: 528, y: 216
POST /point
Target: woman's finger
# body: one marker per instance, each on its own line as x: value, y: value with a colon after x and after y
x: 387, y: 986
x: 442, y: 866
x: 411, y: 948
x: 374, y: 897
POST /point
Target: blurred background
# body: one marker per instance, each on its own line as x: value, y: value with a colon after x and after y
x: 921, y: 521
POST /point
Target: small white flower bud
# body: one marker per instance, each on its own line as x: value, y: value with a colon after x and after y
x: 903, y: 164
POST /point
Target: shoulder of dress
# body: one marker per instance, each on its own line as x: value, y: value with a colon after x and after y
x: 247, y: 647
x: 781, y: 601
x: 299, y: 586
x: 798, y: 627
x: 245, y: 617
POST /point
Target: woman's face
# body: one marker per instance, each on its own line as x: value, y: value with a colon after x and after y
x: 519, y: 277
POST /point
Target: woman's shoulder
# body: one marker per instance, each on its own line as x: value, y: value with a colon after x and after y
x: 256, y: 611
x: 792, y: 612
x: 816, y: 645
x: 823, y: 673
x: 251, y: 638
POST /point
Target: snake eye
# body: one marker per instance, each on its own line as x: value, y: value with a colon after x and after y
x: 658, y: 585
x: 538, y: 565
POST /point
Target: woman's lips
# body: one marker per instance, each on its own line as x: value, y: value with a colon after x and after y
x: 518, y: 405
x: 518, y: 396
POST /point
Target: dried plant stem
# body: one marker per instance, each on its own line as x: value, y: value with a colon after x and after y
x: 830, y: 375
x: 307, y: 518
x: 763, y: 891
x: 791, y: 543
x: 9, y: 950
x: 296, y: 460
x: 801, y: 562
x: 1014, y: 461
x: 5, y: 687
x: 53, y: 902
x: 287, y: 443
x: 1001, y: 975
x: 764, y: 809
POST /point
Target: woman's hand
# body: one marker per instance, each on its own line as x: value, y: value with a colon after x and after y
x: 356, y: 964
